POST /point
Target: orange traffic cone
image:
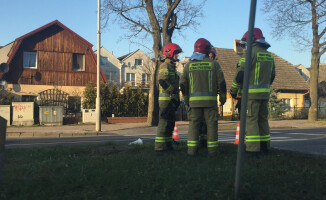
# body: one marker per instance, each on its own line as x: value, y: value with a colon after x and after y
x: 237, y: 134
x: 176, y: 135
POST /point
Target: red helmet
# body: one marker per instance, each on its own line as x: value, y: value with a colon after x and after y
x: 257, y: 35
x: 171, y: 49
x: 202, y: 46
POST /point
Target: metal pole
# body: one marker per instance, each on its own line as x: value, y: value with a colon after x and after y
x: 244, y: 100
x: 3, y: 127
x: 98, y: 85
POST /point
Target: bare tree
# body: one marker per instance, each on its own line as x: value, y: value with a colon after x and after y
x: 305, y: 22
x: 158, y: 19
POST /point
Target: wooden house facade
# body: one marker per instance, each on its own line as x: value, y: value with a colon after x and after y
x: 52, y: 56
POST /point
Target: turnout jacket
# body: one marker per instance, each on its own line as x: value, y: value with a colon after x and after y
x: 168, y: 81
x: 201, y: 81
x: 262, y: 74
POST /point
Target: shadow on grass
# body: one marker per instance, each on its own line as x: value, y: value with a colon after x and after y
x: 114, y: 171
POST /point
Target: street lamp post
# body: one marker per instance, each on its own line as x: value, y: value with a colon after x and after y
x: 98, y: 97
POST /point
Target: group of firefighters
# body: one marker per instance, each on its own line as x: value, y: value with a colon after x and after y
x: 201, y: 82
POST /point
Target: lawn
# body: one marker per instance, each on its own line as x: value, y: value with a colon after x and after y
x: 113, y: 171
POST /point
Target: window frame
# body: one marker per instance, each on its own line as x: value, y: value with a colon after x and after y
x: 28, y: 54
x: 73, y: 63
x: 136, y: 62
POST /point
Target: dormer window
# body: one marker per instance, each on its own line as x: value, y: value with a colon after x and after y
x: 30, y: 58
x: 138, y: 62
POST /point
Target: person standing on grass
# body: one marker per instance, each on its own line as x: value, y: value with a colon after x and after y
x: 169, y: 100
x: 262, y: 75
x: 201, y: 80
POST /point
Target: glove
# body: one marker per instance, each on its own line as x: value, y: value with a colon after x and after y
x: 222, y: 99
x: 175, y: 103
x: 168, y: 113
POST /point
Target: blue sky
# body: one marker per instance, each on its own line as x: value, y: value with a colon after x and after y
x: 224, y: 21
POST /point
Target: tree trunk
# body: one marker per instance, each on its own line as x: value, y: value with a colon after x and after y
x: 314, y: 68
x: 313, y: 110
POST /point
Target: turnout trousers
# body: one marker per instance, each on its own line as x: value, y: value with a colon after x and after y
x: 196, y: 116
x: 163, y: 139
x: 257, y: 127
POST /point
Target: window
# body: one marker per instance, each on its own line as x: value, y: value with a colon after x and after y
x: 104, y: 60
x: 78, y: 62
x: 287, y: 103
x: 29, y: 58
x: 130, y: 77
x: 145, y: 78
x: 138, y: 62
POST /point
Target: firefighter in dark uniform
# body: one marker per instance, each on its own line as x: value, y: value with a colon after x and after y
x: 169, y: 100
x: 203, y: 127
x: 201, y: 80
x: 262, y: 75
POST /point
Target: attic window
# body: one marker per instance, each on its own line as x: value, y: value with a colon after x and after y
x: 78, y: 62
x: 30, y: 58
x: 104, y: 60
x: 138, y: 62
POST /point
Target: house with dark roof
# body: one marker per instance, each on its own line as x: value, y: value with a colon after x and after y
x: 291, y: 86
x: 50, y: 57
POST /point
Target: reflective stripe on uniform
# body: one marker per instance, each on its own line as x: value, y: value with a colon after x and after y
x: 258, y: 138
x: 203, y: 98
x: 164, y: 72
x: 259, y: 90
x: 242, y: 60
x: 192, y: 143
x: 212, y: 144
x: 163, y: 139
x: 191, y: 82
x: 257, y: 69
x: 235, y: 85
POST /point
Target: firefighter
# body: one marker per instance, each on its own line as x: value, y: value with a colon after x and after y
x: 168, y: 81
x: 262, y: 75
x: 201, y: 80
x: 203, y: 127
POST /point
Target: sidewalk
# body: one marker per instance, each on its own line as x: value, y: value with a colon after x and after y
x: 138, y: 128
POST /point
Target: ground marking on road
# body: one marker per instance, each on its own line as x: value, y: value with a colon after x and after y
x: 276, y: 132
x: 303, y: 134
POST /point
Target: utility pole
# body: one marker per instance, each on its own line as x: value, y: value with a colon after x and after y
x: 244, y: 100
x: 98, y: 85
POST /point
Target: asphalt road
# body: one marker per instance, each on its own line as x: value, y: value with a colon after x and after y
x: 311, y: 141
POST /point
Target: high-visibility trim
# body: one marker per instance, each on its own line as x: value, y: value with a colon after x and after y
x: 164, y: 72
x: 210, y: 83
x: 259, y: 90
x: 198, y: 98
x: 192, y: 143
x: 164, y: 98
x: 163, y: 139
x: 199, y: 66
x: 191, y: 82
x: 242, y: 60
x: 212, y: 144
x: 235, y: 85
x: 257, y: 69
x: 258, y: 138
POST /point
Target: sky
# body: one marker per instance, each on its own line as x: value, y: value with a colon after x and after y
x: 224, y: 21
